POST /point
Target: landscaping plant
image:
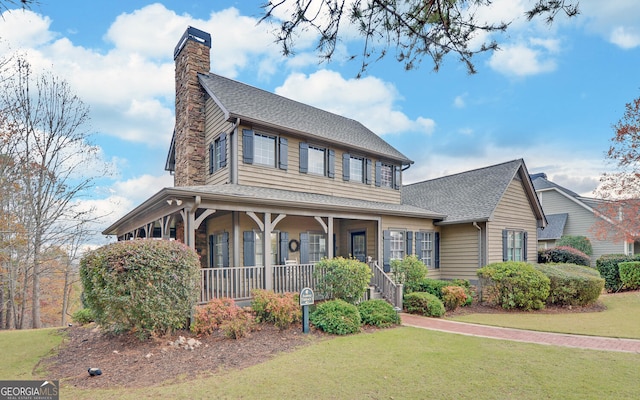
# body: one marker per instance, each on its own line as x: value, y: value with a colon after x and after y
x: 571, y: 284
x: 342, y: 278
x: 564, y: 254
x: 453, y: 297
x: 378, y: 312
x: 607, y: 265
x: 141, y: 286
x: 630, y: 274
x: 514, y: 284
x: 408, y: 271
x: 280, y: 309
x: 581, y: 243
x: 424, y: 304
x: 337, y: 317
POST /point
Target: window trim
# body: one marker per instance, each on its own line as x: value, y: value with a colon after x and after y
x: 509, y: 243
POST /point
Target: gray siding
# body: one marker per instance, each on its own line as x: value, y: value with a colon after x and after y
x: 459, y: 252
x: 215, y: 124
x: 579, y: 222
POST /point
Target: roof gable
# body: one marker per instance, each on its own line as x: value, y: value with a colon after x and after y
x: 257, y: 106
x: 554, y: 228
x: 472, y: 195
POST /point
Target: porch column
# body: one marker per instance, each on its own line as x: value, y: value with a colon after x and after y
x: 330, y: 244
x: 266, y: 252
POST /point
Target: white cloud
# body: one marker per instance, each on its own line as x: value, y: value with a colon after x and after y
x: 520, y: 60
x: 459, y: 101
x: 627, y: 38
x: 368, y: 100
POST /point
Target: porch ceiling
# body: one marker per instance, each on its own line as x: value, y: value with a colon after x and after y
x: 232, y: 197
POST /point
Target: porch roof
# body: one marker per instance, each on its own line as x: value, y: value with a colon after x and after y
x: 234, y: 197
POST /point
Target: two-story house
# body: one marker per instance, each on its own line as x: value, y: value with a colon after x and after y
x: 264, y: 187
x: 568, y: 213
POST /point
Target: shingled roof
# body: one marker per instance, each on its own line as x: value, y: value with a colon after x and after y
x: 554, y: 228
x: 468, y: 196
x: 253, y: 105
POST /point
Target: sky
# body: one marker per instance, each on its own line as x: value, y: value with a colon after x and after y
x: 550, y: 95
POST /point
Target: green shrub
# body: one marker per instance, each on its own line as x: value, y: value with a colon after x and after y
x: 453, y: 297
x: 428, y: 285
x: 581, y: 243
x: 83, y: 316
x: 513, y: 284
x: 630, y: 274
x: 468, y: 289
x: 572, y: 284
x: 282, y: 310
x: 607, y: 265
x: 342, y: 278
x: 424, y: 304
x: 337, y: 317
x: 565, y: 255
x: 209, y: 317
x: 378, y: 313
x: 142, y: 286
x: 408, y: 271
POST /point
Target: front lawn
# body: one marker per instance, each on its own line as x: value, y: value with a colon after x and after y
x: 20, y: 351
x: 618, y: 320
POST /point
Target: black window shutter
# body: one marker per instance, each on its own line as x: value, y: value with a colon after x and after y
x: 304, y: 157
x: 378, y: 173
x: 304, y: 248
x: 367, y: 171
x: 249, y: 249
x: 283, y: 151
x: 223, y: 150
x: 345, y: 166
x: 396, y: 180
x: 284, y: 246
x: 211, y: 160
x: 386, y: 251
x: 211, y: 248
x: 225, y: 249
x: 331, y: 164
x: 436, y: 250
x: 409, y: 243
x: 247, y: 146
x: 524, y: 245
x: 505, y: 245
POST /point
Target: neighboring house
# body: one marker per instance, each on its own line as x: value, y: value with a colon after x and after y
x: 568, y: 213
x: 266, y: 186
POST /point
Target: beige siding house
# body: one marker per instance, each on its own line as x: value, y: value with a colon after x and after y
x: 572, y: 214
x: 264, y: 187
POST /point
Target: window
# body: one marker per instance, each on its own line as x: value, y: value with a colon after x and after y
x: 424, y: 241
x: 218, y: 153
x: 316, y: 161
x: 356, y: 169
x: 258, y: 248
x: 317, y: 247
x: 219, y: 250
x: 386, y: 176
x: 514, y: 245
x: 264, y: 150
x: 397, y: 245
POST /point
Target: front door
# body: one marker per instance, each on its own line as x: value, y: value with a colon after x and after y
x: 359, y: 245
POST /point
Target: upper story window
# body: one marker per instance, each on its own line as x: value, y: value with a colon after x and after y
x: 218, y: 153
x: 263, y: 149
x: 356, y: 169
x: 387, y: 175
x: 317, y: 160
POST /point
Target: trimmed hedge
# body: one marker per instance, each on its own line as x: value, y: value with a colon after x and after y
x: 143, y: 286
x: 337, y: 317
x: 566, y: 255
x: 572, y: 284
x: 424, y: 304
x: 342, y: 278
x: 630, y: 274
x: 607, y: 265
x: 378, y: 312
x: 581, y: 243
x: 513, y: 284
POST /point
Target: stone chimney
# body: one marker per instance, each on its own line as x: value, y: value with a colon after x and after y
x: 191, y: 56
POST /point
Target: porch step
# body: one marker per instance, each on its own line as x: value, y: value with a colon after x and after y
x: 373, y: 293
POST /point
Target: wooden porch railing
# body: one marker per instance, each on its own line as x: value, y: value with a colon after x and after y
x: 389, y: 290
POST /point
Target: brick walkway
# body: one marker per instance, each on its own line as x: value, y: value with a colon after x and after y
x: 519, y: 335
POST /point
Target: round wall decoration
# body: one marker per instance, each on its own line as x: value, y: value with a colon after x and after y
x: 294, y: 245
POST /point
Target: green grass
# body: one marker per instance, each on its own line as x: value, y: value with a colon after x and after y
x: 21, y: 350
x: 619, y: 320
x: 411, y: 363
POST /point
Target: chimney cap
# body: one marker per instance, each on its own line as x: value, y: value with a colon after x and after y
x: 194, y: 34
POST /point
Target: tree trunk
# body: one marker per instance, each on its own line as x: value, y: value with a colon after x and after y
x: 65, y: 296
x: 35, y: 289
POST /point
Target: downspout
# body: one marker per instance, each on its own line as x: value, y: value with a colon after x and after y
x: 479, y: 244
